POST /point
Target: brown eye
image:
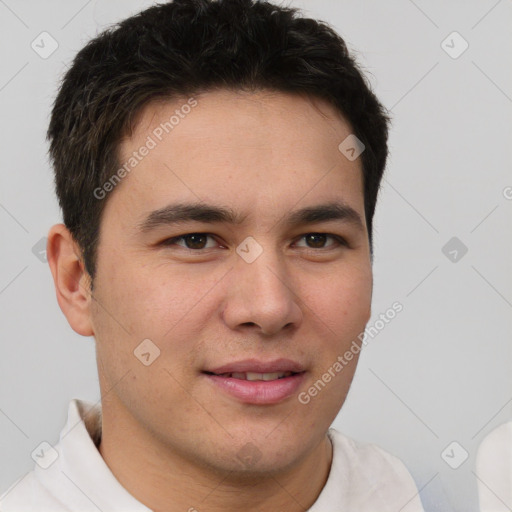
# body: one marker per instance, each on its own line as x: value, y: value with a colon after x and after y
x: 193, y: 241
x: 318, y: 240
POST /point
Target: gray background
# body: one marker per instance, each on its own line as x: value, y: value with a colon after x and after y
x: 440, y: 371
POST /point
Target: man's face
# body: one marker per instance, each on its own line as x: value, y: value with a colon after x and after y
x: 272, y: 297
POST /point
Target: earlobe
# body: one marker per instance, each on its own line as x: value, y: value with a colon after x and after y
x: 72, y: 282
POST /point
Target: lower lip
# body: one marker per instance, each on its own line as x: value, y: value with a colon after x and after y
x: 259, y: 392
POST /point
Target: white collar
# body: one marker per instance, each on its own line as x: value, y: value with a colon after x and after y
x: 80, y: 474
x: 362, y: 477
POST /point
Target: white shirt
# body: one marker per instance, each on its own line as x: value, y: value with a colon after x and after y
x: 363, y: 478
x: 494, y: 470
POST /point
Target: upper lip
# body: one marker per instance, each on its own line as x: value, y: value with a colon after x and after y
x: 258, y: 366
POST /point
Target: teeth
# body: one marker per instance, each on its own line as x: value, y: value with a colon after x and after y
x: 271, y: 376
x: 252, y: 376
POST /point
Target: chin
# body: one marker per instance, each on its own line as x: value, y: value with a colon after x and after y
x: 250, y: 463
x: 249, y: 455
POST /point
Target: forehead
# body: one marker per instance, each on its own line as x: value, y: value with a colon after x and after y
x: 264, y: 118
x: 226, y: 147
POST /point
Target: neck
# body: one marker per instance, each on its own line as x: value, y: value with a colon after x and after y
x: 165, y: 481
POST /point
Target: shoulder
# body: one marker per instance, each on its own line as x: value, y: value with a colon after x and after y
x: 27, y: 494
x: 498, y: 440
x: 372, y: 476
x: 46, y: 488
x: 365, y: 456
x: 494, y: 469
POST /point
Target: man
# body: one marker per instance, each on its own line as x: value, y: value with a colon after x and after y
x: 217, y: 164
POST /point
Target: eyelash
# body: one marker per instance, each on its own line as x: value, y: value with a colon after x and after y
x: 340, y: 241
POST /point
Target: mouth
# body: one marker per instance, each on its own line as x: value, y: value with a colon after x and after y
x: 256, y: 382
x: 254, y: 376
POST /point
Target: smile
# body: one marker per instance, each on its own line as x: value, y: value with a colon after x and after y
x: 257, y: 382
x: 253, y: 376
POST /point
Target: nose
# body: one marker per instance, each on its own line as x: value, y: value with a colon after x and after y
x: 262, y: 296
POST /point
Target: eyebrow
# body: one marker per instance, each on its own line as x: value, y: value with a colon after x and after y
x: 201, y: 212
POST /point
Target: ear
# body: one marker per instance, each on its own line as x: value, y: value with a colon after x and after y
x: 72, y: 282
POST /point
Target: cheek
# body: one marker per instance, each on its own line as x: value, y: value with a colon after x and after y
x: 146, y: 302
x: 342, y: 301
x: 158, y: 302
x: 339, y: 308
